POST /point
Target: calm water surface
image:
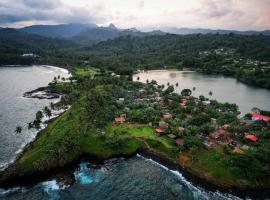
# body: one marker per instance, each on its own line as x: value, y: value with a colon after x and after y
x: 16, y: 110
x: 224, y: 89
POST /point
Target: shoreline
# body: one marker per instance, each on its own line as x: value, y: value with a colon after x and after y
x: 44, y: 122
x: 202, y: 182
x: 22, y: 150
x: 194, y: 70
x: 43, y: 65
x: 61, y: 173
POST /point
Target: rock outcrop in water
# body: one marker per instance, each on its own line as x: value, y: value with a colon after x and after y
x: 42, y: 93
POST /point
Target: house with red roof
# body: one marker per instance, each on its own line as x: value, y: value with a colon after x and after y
x: 256, y: 116
x: 251, y: 137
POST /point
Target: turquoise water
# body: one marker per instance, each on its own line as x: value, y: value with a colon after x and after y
x: 119, y: 179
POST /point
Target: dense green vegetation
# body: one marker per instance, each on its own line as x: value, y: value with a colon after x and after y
x: 14, y: 44
x: 113, y: 116
x: 246, y: 57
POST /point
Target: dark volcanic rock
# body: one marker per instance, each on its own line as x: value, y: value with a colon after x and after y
x: 42, y: 93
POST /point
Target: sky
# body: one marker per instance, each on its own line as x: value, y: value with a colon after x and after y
x: 142, y: 14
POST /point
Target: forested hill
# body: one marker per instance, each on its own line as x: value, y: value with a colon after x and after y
x: 257, y: 47
x: 129, y: 53
x: 244, y: 57
x: 13, y: 44
x: 61, y: 30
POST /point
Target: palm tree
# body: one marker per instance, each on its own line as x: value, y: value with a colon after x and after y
x: 147, y: 81
x: 55, y: 79
x: 186, y: 92
x: 210, y: 93
x: 168, y: 84
x: 176, y: 84
x: 255, y: 110
x: 138, y: 78
x: 36, y: 124
x: 162, y: 86
x: 194, y: 88
x: 39, y: 115
x: 30, y: 125
x: 47, y: 111
x: 52, y: 105
x: 18, y: 129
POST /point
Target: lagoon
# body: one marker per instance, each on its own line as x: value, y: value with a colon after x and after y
x: 224, y: 89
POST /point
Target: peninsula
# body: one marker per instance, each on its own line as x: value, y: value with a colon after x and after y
x: 112, y: 116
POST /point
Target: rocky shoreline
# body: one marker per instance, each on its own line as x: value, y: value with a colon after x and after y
x: 64, y: 174
x: 42, y: 93
x: 243, y: 191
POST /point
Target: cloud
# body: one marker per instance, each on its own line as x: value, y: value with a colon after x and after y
x: 22, y: 12
x: 223, y: 14
x: 141, y: 4
x: 44, y: 4
x: 216, y: 9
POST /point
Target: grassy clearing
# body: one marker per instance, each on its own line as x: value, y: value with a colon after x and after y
x: 84, y: 72
x: 209, y: 163
x: 162, y: 144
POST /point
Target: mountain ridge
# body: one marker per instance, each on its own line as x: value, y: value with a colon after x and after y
x: 61, y: 30
x: 187, y: 31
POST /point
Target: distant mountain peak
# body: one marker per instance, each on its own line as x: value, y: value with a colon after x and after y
x: 112, y: 26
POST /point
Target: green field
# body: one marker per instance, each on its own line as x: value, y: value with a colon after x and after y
x: 86, y: 71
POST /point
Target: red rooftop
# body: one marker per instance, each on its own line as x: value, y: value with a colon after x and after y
x: 256, y: 116
x: 251, y: 137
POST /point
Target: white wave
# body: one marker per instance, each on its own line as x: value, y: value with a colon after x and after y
x: 5, y: 192
x: 57, y: 68
x: 197, y: 191
x: 83, y: 175
x: 50, y: 186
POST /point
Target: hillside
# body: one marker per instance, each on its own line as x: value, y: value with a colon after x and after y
x: 61, y: 30
x: 13, y: 44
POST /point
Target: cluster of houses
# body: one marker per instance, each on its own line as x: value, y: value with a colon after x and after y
x: 220, y: 136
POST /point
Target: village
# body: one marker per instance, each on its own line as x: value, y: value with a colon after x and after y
x: 177, y: 116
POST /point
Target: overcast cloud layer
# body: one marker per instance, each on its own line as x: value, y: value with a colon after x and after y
x: 223, y: 14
